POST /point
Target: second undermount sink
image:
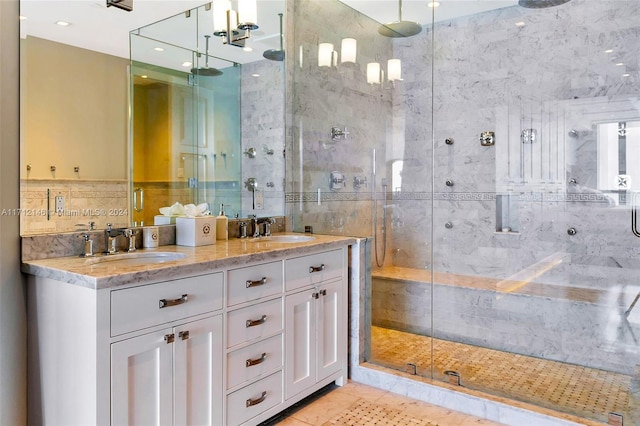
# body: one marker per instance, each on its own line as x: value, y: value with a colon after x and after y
x: 137, y: 258
x: 285, y: 239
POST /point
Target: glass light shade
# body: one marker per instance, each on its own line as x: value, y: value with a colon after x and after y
x: 220, y: 8
x: 247, y: 11
x: 348, y: 50
x: 325, y: 54
x: 373, y: 73
x: 394, y: 69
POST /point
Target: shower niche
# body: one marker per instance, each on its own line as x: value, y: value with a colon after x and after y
x: 507, y: 213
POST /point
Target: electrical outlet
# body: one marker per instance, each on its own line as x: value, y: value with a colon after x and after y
x: 59, y: 204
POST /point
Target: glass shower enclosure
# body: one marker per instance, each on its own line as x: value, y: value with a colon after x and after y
x: 496, y: 179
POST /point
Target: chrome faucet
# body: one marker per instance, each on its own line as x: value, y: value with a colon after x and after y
x: 266, y: 222
x: 130, y: 235
x: 88, y: 246
x: 111, y: 239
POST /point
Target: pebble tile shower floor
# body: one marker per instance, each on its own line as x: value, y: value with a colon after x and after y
x: 581, y: 391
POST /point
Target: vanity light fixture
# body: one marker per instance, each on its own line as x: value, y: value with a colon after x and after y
x: 234, y: 27
x: 375, y: 74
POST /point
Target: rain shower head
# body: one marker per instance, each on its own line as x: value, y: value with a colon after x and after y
x: 206, y: 71
x: 276, y: 54
x: 400, y: 28
x: 541, y: 4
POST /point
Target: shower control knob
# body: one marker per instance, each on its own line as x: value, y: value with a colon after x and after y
x: 448, y: 225
x: 449, y: 182
x: 572, y: 231
x: 448, y: 141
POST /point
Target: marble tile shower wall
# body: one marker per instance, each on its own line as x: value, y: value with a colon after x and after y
x: 99, y: 201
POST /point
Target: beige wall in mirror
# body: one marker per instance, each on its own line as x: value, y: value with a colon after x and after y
x: 74, y: 138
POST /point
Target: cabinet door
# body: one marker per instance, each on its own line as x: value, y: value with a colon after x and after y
x: 300, y: 318
x: 330, y: 333
x: 141, y: 381
x: 198, y: 391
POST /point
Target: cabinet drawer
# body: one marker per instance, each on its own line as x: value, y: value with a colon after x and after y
x: 254, y: 322
x: 253, y: 361
x: 254, y: 399
x: 253, y: 282
x: 312, y: 269
x: 153, y: 304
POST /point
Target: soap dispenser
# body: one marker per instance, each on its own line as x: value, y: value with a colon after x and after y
x: 222, y: 225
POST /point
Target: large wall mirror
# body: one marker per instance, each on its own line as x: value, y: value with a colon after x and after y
x: 125, y: 114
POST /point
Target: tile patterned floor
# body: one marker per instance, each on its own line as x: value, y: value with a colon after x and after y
x: 572, y: 389
x: 361, y: 405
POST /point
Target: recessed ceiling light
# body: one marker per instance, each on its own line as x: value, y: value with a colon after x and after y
x: 186, y: 64
x: 63, y: 23
x: 619, y: 64
x: 158, y: 49
x: 434, y: 4
x: 248, y: 49
x: 143, y: 76
x: 255, y: 75
x: 520, y: 24
x: 22, y: 18
x: 626, y: 74
x: 608, y: 51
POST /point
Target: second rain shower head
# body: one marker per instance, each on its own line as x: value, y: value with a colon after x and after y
x: 276, y: 54
x: 541, y: 4
x: 206, y: 71
x: 400, y: 28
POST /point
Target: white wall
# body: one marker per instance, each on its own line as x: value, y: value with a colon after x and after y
x: 13, y: 352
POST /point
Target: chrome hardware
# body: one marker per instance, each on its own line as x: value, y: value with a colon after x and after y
x: 253, y: 323
x: 257, y: 282
x: 337, y: 133
x: 337, y: 181
x: 76, y: 169
x: 572, y: 231
x: 251, y: 402
x: 130, y: 234
x: 267, y: 222
x: 573, y: 181
x: 449, y: 182
x: 135, y: 199
x: 359, y: 182
x: 111, y: 239
x: 252, y: 362
x: 528, y: 136
x: 169, y: 338
x: 164, y: 303
x: 242, y: 229
x: 487, y: 138
x: 251, y: 184
x: 313, y: 269
x: 92, y: 225
x: 315, y: 295
x: 88, y: 246
x: 634, y: 214
x: 251, y: 153
x: 448, y: 141
x: 448, y: 225
x: 184, y: 335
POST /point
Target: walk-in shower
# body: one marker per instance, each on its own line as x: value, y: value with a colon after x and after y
x: 514, y: 281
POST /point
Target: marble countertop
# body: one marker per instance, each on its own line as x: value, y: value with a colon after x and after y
x: 224, y: 254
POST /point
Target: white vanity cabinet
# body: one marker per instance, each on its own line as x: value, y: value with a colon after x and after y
x: 231, y: 346
x: 315, y: 321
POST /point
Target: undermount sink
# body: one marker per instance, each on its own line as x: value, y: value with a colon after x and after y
x: 285, y: 239
x: 141, y: 258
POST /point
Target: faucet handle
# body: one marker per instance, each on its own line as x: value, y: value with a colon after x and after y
x: 88, y: 245
x: 130, y: 234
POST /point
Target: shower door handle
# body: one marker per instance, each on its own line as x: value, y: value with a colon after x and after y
x: 635, y: 197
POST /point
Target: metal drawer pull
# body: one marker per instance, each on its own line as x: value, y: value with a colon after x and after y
x: 251, y: 402
x: 184, y: 335
x: 256, y: 283
x: 253, y: 323
x: 164, y: 303
x: 313, y: 269
x: 252, y: 362
x: 169, y: 338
